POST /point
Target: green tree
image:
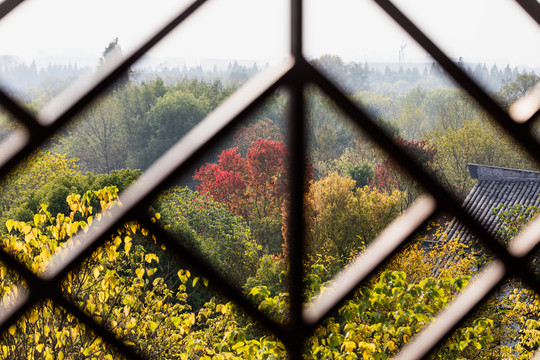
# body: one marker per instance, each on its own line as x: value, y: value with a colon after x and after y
x: 221, y: 236
x: 38, y: 170
x: 330, y: 132
x: 98, y: 140
x: 476, y: 142
x: 411, y: 114
x: 362, y: 174
x: 450, y: 109
x: 172, y: 116
x: 510, y: 91
x: 53, y: 193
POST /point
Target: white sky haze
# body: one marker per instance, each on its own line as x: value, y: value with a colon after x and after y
x: 477, y: 30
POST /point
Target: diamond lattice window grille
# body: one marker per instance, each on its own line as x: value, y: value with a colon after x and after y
x: 294, y: 74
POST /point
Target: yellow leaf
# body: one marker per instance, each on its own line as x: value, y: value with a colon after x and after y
x: 349, y: 346
x: 27, y: 229
x: 12, y: 329
x: 113, y: 281
x: 9, y: 225
x: 117, y: 240
x: 18, y: 246
x: 39, y: 347
x: 127, y: 247
x: 33, y: 317
x: 149, y: 257
x: 139, y: 272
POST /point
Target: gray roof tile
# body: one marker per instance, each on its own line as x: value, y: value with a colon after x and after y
x: 495, y: 186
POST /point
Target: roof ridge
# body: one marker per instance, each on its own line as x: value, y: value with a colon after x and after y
x: 487, y: 172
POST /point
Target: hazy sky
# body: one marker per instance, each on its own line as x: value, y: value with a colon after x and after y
x: 477, y: 30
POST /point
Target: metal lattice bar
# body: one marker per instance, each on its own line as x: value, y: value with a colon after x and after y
x: 532, y: 8
x: 7, y: 6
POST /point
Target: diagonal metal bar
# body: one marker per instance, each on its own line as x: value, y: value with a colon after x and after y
x: 532, y: 8
x: 526, y: 244
x: 450, y: 318
x: 11, y: 149
x: 536, y: 355
x: 527, y: 107
x: 13, y: 306
x: 370, y: 260
x: 71, y: 101
x: 518, y: 131
x: 7, y: 6
x: 21, y: 114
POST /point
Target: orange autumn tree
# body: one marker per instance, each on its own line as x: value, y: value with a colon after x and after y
x: 253, y: 187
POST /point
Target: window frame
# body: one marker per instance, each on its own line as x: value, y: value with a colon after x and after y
x: 294, y: 75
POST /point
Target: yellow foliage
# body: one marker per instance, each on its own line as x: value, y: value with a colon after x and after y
x: 344, y: 220
x: 116, y: 285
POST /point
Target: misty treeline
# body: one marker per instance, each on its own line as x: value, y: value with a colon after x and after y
x: 137, y: 121
x: 28, y: 80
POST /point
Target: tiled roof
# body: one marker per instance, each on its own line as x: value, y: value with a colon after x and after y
x: 496, y: 186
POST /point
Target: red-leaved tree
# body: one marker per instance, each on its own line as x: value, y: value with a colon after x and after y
x: 253, y: 187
